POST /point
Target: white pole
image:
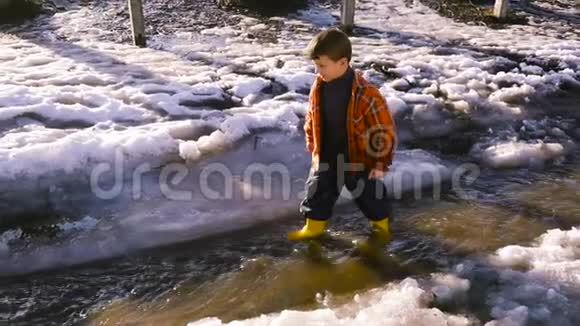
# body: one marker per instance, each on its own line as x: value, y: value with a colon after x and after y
x: 347, y: 15
x: 137, y: 23
x: 501, y: 8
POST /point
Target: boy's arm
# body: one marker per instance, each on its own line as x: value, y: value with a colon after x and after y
x: 308, y: 129
x: 308, y: 120
x: 381, y: 132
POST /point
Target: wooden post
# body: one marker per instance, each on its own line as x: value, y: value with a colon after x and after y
x: 137, y: 23
x: 347, y: 15
x: 501, y: 8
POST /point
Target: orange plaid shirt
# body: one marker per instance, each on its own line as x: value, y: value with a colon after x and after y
x: 371, y: 134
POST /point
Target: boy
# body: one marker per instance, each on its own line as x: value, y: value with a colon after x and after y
x: 350, y: 134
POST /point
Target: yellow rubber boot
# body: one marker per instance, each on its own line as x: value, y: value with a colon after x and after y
x: 373, y: 246
x: 381, y: 232
x: 381, y: 226
x: 313, y: 229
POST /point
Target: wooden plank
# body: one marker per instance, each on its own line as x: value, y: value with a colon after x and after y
x: 501, y: 8
x: 137, y: 23
x: 347, y: 15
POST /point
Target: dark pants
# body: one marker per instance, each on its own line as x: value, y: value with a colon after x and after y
x: 323, y: 189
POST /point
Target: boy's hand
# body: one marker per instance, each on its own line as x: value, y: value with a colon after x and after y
x: 376, y: 174
x: 310, y: 147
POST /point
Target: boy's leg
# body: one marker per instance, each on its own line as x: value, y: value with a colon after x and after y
x: 322, y: 191
x: 370, y: 195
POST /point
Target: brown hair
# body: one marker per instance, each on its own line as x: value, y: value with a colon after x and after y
x: 332, y: 42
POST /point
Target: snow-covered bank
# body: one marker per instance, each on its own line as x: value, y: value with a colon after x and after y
x: 178, y: 202
x: 156, y: 207
x: 546, y: 292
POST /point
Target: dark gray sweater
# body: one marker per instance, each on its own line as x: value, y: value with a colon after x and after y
x: 335, y: 96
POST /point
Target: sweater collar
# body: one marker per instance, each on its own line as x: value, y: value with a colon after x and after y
x: 358, y: 80
x: 343, y: 79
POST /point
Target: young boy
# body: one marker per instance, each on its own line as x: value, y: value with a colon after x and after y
x: 350, y: 134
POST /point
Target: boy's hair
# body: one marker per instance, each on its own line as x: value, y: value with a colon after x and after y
x: 333, y: 43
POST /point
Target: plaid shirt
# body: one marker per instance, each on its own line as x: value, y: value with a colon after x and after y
x: 370, y: 128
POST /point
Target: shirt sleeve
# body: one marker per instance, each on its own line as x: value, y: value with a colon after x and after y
x: 308, y: 119
x: 308, y: 127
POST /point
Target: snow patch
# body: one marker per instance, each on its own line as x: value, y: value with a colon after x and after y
x: 545, y: 292
x: 405, y: 303
x: 519, y: 154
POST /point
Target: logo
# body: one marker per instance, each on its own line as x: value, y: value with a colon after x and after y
x: 378, y: 140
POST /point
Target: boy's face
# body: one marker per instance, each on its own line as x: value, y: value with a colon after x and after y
x: 329, y: 69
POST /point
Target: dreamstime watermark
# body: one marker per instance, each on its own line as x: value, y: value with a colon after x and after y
x: 259, y: 181
x: 378, y: 140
